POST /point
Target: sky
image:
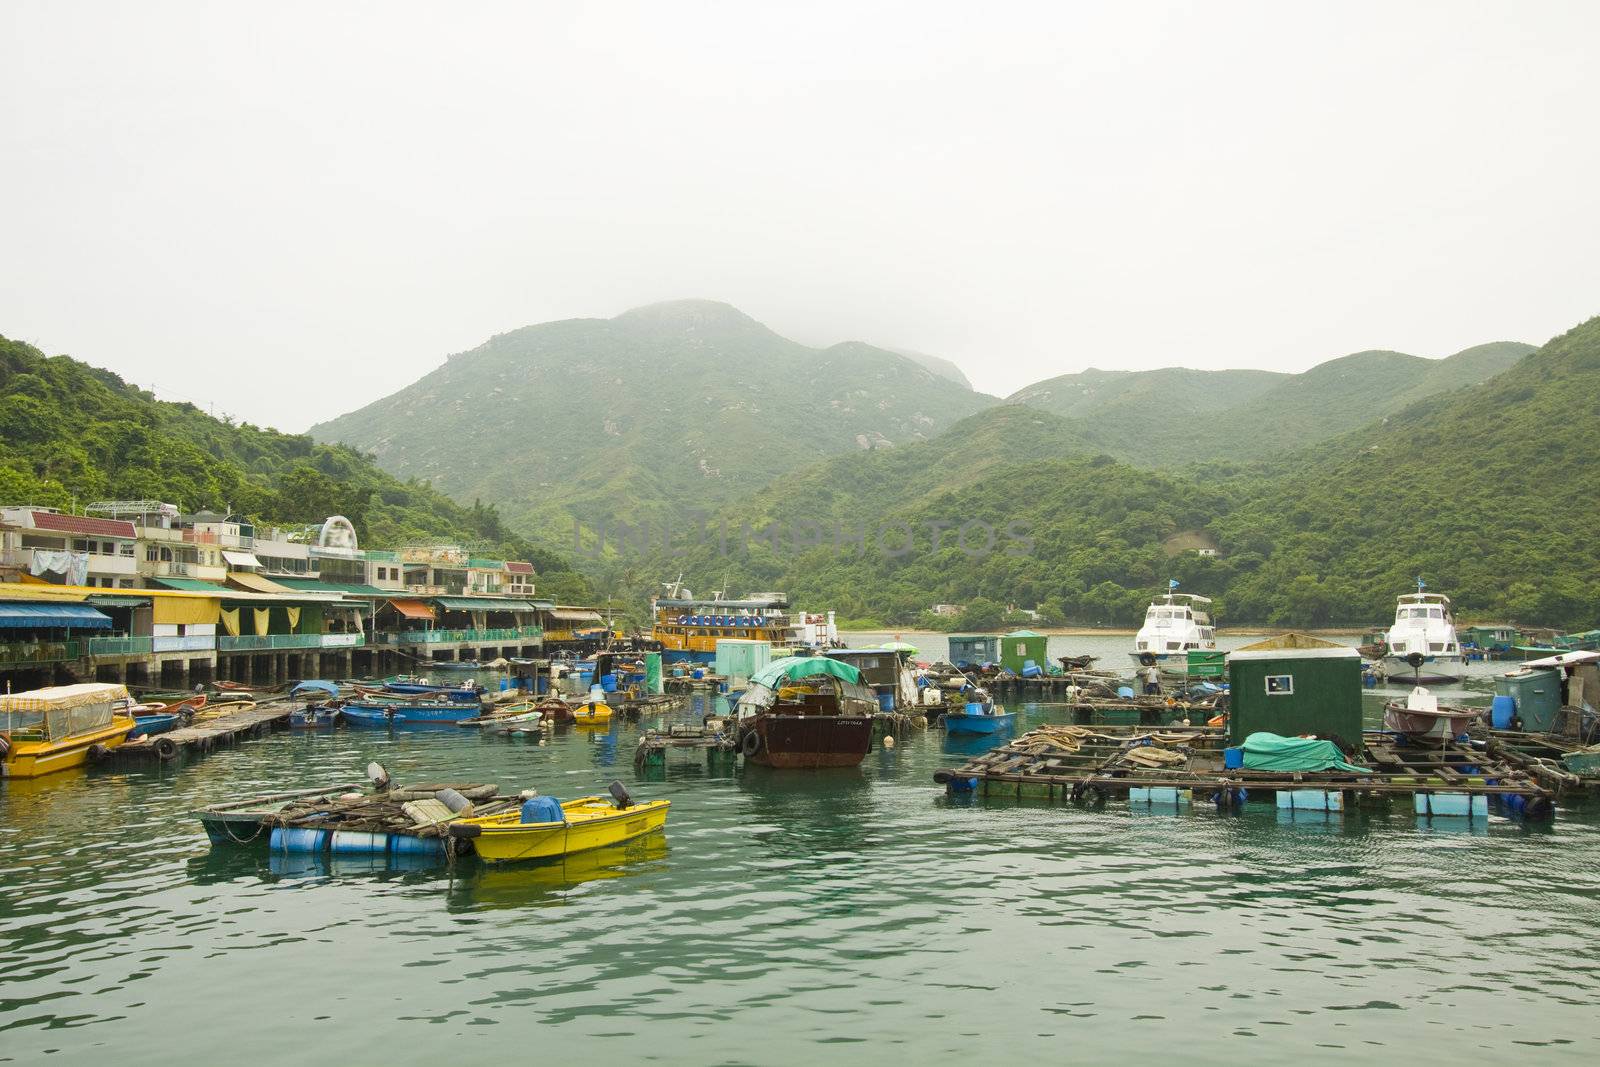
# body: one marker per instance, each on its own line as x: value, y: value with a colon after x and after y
x: 282, y: 212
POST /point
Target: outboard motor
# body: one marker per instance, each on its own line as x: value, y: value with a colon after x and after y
x: 620, y: 794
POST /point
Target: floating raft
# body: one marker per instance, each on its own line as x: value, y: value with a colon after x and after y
x: 243, y: 723
x: 408, y: 819
x: 1180, y: 765
x: 1558, y: 763
x: 713, y: 737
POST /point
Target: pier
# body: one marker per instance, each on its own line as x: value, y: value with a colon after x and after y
x: 225, y: 730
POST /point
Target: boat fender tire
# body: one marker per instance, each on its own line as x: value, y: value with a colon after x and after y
x: 465, y: 830
x: 165, y: 748
x: 98, y: 753
x: 750, y: 744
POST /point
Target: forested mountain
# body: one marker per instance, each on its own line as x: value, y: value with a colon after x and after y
x: 670, y: 406
x: 1482, y: 490
x: 1175, y: 418
x: 72, y: 434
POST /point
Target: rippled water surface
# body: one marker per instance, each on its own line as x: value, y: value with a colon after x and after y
x: 784, y: 916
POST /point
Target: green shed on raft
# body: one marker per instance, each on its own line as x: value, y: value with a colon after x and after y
x: 1294, y: 684
x: 1018, y: 647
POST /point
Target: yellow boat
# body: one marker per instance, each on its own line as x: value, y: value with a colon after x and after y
x: 591, y: 713
x: 588, y: 822
x: 47, y: 730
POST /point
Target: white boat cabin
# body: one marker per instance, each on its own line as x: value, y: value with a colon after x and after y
x: 1174, y: 624
x: 1423, y: 622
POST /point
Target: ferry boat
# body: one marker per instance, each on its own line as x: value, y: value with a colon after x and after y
x: 688, y: 628
x: 1422, y: 645
x: 1174, y: 624
x: 48, y: 730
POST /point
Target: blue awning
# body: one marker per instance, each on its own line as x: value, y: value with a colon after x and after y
x: 41, y: 616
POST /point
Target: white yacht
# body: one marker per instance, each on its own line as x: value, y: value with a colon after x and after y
x: 1423, y: 626
x: 1173, y: 625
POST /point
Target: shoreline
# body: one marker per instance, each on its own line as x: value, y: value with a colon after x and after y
x: 1090, y: 631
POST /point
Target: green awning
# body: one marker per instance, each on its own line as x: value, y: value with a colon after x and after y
x: 191, y: 585
x: 481, y: 603
x: 793, y: 667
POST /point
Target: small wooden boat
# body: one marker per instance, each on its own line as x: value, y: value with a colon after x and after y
x: 1423, y: 717
x: 146, y: 724
x: 47, y: 730
x: 561, y: 829
x: 591, y: 714
x: 979, y: 716
x: 524, y: 714
x: 316, y: 717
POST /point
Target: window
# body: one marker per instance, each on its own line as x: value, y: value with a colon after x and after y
x: 125, y: 549
x: 150, y: 553
x: 1280, y: 685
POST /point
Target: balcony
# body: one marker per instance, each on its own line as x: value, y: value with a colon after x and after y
x: 444, y: 637
x: 167, y: 568
x: 186, y: 643
x: 276, y: 642
x: 120, y: 646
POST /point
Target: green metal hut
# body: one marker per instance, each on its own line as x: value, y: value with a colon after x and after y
x: 1020, y: 646
x: 1294, y: 684
x: 973, y: 649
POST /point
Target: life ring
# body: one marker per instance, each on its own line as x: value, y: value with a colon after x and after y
x: 750, y: 744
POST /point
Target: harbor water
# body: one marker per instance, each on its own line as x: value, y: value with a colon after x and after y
x: 783, y: 917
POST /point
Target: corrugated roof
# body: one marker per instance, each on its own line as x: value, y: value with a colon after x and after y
x: 312, y: 585
x: 257, y: 584
x: 119, y: 601
x: 82, y: 524
x: 482, y: 603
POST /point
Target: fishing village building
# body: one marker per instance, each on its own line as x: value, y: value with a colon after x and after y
x: 139, y: 593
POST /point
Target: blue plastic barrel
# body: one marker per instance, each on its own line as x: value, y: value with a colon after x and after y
x: 608, y: 683
x: 407, y: 845
x: 697, y: 673
x: 542, y: 809
x: 1501, y: 711
x: 1031, y: 670
x: 974, y: 708
x: 1124, y: 691
x: 1232, y: 758
x: 359, y: 842
x: 288, y: 839
x: 886, y: 701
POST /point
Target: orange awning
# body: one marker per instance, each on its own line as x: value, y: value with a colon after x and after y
x: 413, y: 609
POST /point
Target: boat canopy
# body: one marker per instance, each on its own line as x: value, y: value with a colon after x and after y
x: 793, y: 667
x: 43, y: 616
x: 899, y: 646
x: 63, y: 697
x: 311, y: 685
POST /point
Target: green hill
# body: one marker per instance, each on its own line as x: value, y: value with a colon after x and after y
x: 1481, y: 490
x: 664, y: 408
x: 71, y: 433
x: 1175, y: 418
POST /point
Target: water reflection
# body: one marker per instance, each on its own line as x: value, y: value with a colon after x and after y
x: 476, y: 885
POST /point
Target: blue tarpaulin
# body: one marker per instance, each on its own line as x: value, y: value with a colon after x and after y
x: 41, y: 616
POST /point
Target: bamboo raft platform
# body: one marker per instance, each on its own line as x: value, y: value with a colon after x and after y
x: 401, y: 819
x: 1183, y: 764
x: 1560, y: 764
x: 714, y: 737
x: 247, y: 722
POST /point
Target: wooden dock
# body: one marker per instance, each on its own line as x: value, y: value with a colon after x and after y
x: 205, y: 735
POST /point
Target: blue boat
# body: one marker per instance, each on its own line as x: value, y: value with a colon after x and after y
x: 158, y: 723
x: 458, y: 694
x: 384, y: 715
x: 979, y: 719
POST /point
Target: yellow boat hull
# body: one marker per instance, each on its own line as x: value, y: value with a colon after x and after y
x: 591, y: 822
x: 591, y: 714
x: 34, y: 759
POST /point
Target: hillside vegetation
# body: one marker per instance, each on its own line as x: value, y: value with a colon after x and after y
x: 1176, y: 418
x: 666, y: 407
x: 71, y: 434
x: 1481, y: 490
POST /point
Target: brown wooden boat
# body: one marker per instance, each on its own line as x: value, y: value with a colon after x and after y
x: 829, y: 727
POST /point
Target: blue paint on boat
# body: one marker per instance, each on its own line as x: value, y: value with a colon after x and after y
x: 986, y: 720
x: 383, y: 715
x: 448, y: 692
x: 159, y: 723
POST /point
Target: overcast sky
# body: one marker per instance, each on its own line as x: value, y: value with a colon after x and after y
x: 288, y: 210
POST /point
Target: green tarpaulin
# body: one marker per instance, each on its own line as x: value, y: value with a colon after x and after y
x: 1272, y: 752
x: 792, y: 667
